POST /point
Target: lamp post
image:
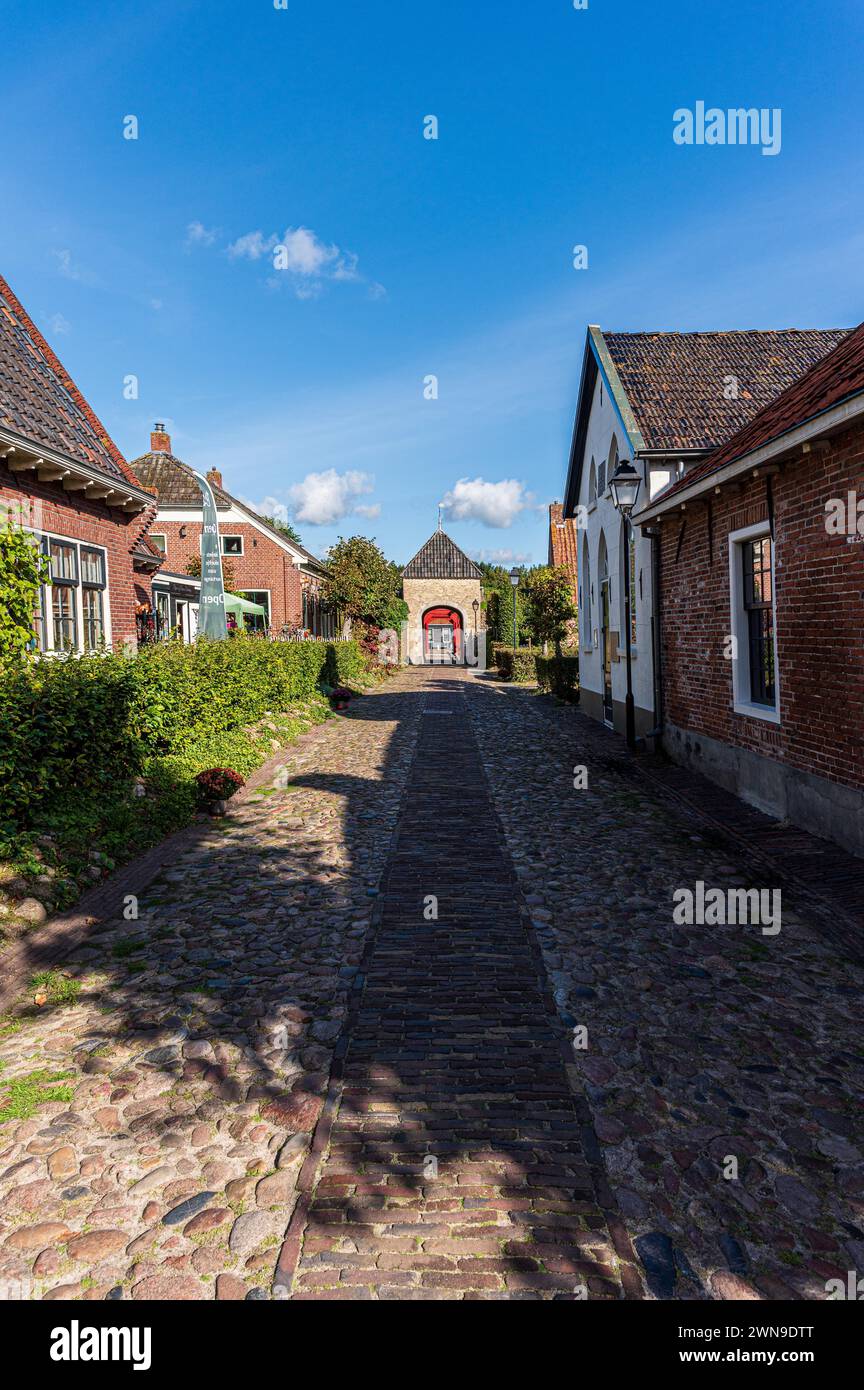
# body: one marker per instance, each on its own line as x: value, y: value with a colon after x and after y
x: 625, y: 484
x: 476, y: 606
x: 514, y: 580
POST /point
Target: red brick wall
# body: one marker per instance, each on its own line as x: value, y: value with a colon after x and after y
x: 46, y: 507
x: 819, y: 598
x: 263, y: 564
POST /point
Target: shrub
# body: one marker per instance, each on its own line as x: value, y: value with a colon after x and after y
x: 81, y: 726
x: 517, y: 666
x: 559, y: 675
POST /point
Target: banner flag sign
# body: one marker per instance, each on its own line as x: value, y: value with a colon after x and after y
x: 211, y: 613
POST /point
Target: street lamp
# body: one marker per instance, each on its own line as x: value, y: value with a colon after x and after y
x: 514, y: 580
x: 625, y: 484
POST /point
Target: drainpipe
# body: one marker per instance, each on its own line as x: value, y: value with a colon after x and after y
x: 653, y: 534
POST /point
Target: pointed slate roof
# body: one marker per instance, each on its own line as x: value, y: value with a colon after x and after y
x: 440, y: 558
x: 40, y: 401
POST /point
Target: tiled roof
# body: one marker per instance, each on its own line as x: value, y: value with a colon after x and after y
x: 176, y: 486
x: 39, y: 399
x: 440, y: 558
x: 174, y: 482
x: 675, y: 381
x: 563, y: 540
x: 833, y: 379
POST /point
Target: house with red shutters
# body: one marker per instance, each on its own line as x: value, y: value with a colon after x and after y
x: 264, y: 565
x: 760, y: 604
x: 63, y: 479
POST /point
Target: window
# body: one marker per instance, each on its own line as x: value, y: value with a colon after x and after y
x: 160, y: 540
x: 72, y: 609
x: 92, y: 588
x: 759, y: 605
x: 262, y: 598
x: 592, y: 483
x: 64, y: 581
x: 232, y: 545
x: 585, y: 578
x: 753, y: 648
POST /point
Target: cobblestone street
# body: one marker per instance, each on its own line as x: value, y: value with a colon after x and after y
x: 334, y: 1056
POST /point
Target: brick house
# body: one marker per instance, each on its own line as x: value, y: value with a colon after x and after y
x: 268, y: 567
x: 564, y: 554
x: 443, y: 591
x: 63, y: 478
x: 663, y: 401
x: 761, y: 560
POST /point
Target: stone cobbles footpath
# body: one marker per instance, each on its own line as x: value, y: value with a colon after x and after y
x: 198, y: 1050
x: 416, y: 1022
x: 705, y: 1043
x: 460, y: 1165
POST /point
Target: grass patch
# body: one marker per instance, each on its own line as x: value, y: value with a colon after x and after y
x: 59, y: 988
x: 21, y: 1096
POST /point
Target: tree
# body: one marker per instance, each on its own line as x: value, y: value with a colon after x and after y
x: 363, y: 585
x: 23, y: 568
x: 228, y: 579
x: 549, y: 604
x: 286, y: 528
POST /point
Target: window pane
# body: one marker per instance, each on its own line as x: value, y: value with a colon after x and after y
x: 232, y: 545
x: 63, y: 561
x: 63, y: 609
x: 93, y: 625
x: 91, y: 566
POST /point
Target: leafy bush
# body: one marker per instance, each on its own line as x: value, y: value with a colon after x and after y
x: 22, y: 569
x: 518, y: 666
x: 83, y: 726
x: 559, y: 675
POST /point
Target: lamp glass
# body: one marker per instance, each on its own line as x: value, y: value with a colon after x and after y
x: 625, y: 484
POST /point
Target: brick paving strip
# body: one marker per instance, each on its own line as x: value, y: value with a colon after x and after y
x: 453, y: 1160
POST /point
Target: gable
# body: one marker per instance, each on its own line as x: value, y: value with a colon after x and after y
x: 440, y: 558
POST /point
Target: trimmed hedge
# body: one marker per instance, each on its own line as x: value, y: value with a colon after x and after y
x: 84, y: 725
x: 518, y: 666
x: 559, y: 675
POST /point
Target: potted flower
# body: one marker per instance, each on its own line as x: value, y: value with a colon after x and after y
x: 340, y: 697
x: 216, y: 786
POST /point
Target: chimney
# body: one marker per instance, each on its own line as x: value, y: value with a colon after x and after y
x: 214, y: 476
x: 160, y: 442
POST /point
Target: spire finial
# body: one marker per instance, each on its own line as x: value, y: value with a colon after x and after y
x: 440, y: 522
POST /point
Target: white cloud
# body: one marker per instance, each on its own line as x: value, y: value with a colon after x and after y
x: 493, y: 504
x: 252, y: 246
x: 324, y: 498
x: 502, y: 557
x: 199, y: 235
x: 300, y: 257
x: 58, y: 324
x: 70, y: 271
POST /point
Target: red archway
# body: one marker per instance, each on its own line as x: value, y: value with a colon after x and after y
x: 442, y: 635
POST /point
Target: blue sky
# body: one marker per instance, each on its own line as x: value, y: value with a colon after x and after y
x: 303, y: 128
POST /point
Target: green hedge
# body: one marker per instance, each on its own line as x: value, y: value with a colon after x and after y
x: 86, y: 724
x: 518, y: 665
x: 559, y: 675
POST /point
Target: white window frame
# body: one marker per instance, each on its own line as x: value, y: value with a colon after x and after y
x: 163, y: 536
x: 741, y: 701
x: 231, y: 554
x: 45, y: 597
